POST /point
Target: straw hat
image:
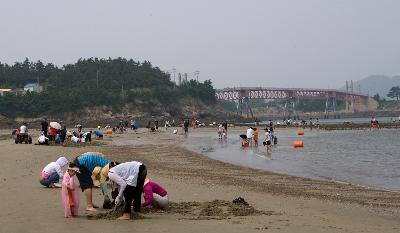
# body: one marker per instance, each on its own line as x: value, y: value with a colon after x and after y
x: 100, y: 175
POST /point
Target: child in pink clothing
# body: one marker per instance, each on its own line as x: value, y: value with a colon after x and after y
x: 70, y: 193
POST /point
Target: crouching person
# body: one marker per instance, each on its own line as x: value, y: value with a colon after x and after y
x: 155, y: 196
x: 86, y: 163
x: 130, y: 178
x: 52, y: 173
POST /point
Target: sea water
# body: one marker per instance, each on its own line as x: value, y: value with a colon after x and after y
x: 361, y: 157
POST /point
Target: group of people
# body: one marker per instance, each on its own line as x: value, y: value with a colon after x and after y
x: 251, y: 137
x: 51, y: 134
x: 58, y: 133
x: 153, y: 126
x: 129, y: 178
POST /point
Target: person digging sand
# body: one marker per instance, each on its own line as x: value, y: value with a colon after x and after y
x: 52, y: 174
x: 155, y: 196
x: 130, y: 178
x: 86, y: 163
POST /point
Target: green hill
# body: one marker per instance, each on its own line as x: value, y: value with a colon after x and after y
x: 93, y: 82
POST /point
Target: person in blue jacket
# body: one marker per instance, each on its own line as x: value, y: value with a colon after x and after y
x: 86, y: 163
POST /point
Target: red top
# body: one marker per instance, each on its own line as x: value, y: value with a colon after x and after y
x: 52, y: 131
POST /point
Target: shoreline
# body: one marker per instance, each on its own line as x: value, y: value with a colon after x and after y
x: 327, y: 189
x: 300, y: 204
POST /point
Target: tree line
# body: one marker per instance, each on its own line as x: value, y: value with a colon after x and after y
x: 94, y: 82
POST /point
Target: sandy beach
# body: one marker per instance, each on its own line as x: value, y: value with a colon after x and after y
x: 284, y: 203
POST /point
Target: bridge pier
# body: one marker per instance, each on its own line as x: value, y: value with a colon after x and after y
x: 246, y: 102
x: 330, y: 106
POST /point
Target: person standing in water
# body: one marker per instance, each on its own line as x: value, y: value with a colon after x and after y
x: 374, y: 123
x: 249, y: 134
x: 220, y: 131
x: 255, y: 136
x: 268, y: 141
x: 225, y: 125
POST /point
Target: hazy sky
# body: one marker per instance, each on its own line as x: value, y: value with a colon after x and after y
x: 280, y: 43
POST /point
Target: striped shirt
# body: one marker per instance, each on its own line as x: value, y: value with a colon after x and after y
x: 92, y: 160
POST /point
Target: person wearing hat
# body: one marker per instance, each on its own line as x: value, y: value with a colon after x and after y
x: 100, y: 176
x: 52, y: 173
x: 130, y: 178
x: 86, y: 163
x: 154, y: 195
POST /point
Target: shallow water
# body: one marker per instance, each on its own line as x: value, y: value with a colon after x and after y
x: 342, y: 120
x: 362, y: 157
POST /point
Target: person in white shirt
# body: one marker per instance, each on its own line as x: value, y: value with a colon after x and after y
x: 220, y: 131
x: 43, y: 140
x: 75, y: 139
x: 268, y: 140
x: 249, y: 135
x: 53, y: 173
x: 23, y: 129
x: 130, y: 178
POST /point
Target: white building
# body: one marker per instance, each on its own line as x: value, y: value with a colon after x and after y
x: 33, y: 87
x: 3, y: 91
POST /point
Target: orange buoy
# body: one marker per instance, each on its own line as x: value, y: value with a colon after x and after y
x: 109, y: 131
x: 298, y: 144
x: 300, y: 132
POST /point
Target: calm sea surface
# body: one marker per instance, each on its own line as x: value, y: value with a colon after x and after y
x: 362, y: 157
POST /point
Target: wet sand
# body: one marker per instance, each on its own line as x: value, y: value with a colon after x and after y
x: 290, y: 204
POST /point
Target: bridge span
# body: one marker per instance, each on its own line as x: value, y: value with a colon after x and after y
x: 241, y: 95
x: 286, y: 93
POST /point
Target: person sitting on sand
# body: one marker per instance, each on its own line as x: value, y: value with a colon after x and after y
x: 43, y: 140
x: 86, y: 163
x: 70, y: 193
x: 130, y: 178
x: 75, y: 139
x: 52, y: 173
x: 154, y: 195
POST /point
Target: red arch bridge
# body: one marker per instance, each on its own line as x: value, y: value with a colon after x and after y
x: 242, y: 95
